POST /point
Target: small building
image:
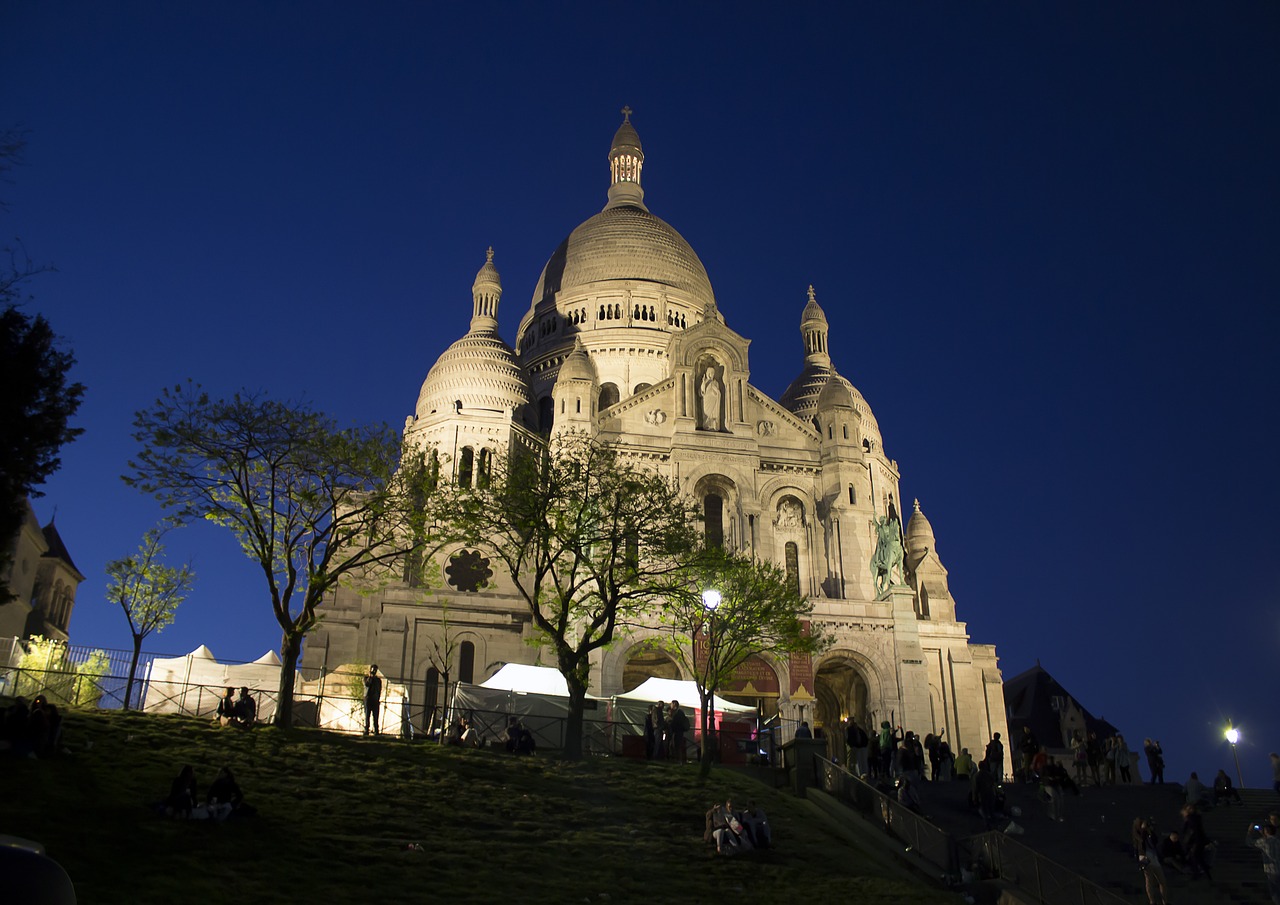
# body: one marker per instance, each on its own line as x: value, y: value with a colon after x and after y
x: 1036, y: 699
x: 43, y: 580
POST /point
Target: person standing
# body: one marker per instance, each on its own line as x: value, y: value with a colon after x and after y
x: 1263, y: 837
x: 372, y: 699
x: 1194, y: 841
x: 857, y: 741
x: 1155, y: 760
x: 995, y: 757
x: 649, y: 722
x: 1145, y: 848
x: 1028, y: 747
x: 679, y: 724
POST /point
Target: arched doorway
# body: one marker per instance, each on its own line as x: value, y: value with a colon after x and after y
x: 647, y: 662
x: 841, y: 690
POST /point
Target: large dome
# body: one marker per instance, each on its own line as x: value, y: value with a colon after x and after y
x: 625, y: 243
x: 480, y: 371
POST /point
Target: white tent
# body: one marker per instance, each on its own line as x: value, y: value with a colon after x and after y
x: 654, y: 690
x: 328, y: 702
x: 537, y: 695
x: 195, y: 683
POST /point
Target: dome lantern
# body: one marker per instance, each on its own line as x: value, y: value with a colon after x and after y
x: 626, y: 159
x: 813, y: 329
x: 486, y: 291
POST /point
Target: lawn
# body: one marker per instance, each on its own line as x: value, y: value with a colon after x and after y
x: 337, y: 814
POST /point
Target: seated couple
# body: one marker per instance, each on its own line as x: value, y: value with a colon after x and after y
x: 736, y: 832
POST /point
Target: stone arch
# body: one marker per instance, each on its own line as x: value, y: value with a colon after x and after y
x: 846, y: 683
x: 719, y: 496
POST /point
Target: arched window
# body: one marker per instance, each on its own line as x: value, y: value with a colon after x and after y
x: 486, y: 467
x: 641, y: 387
x: 432, y: 690
x: 853, y: 495
x: 609, y: 395
x: 713, y: 519
x: 793, y: 566
x: 466, y: 466
x: 466, y: 662
x: 846, y: 432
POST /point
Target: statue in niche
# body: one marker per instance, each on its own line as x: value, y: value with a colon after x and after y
x: 712, y: 396
x: 887, y: 561
x: 790, y: 514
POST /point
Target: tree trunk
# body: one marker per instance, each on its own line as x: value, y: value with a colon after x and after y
x: 133, y: 669
x: 708, y: 733
x: 573, y: 724
x: 290, y: 650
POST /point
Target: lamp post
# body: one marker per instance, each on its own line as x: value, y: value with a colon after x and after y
x: 710, y: 600
x: 1233, y: 736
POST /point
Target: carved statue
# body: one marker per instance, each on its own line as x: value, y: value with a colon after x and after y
x: 887, y: 560
x: 711, y: 396
x: 655, y: 417
x: 765, y: 428
x: 790, y: 514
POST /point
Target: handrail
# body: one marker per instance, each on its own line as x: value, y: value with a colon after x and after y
x: 1049, y: 882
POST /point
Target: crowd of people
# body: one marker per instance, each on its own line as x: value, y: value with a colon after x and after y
x: 665, y: 729
x: 31, y: 730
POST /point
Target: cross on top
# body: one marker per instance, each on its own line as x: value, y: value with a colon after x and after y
x: 489, y: 255
x: 626, y: 114
x: 811, y: 298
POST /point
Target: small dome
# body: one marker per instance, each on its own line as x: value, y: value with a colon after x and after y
x: 919, y: 533
x: 577, y: 365
x: 480, y: 371
x: 626, y: 139
x: 801, y: 398
x: 813, y: 313
x: 835, y: 394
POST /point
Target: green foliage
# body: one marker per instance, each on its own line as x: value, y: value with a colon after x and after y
x: 46, y: 669
x: 592, y: 541
x: 309, y: 502
x: 146, y: 589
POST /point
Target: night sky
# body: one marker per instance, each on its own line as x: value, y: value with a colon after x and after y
x: 1046, y: 237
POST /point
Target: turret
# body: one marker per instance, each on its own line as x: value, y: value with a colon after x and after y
x: 626, y: 160
x: 574, y: 393
x: 486, y: 291
x: 813, y: 328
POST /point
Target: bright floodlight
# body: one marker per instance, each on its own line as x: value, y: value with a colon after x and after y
x: 710, y: 599
x: 1233, y: 735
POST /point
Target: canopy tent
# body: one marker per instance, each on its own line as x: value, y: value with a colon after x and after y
x: 335, y: 701
x: 195, y: 683
x: 537, y: 695
x: 631, y: 708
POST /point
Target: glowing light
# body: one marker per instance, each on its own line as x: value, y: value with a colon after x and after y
x: 1233, y: 734
x: 710, y: 599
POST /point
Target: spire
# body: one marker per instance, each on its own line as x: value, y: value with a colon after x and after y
x: 813, y: 329
x: 626, y: 159
x: 485, y: 293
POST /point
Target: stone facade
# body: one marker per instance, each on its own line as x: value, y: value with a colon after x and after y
x: 43, y: 579
x: 624, y: 340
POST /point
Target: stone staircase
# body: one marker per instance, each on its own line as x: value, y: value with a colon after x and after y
x: 1094, y: 840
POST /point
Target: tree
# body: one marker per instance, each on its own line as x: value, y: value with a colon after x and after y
x: 38, y: 400
x: 591, y: 541
x: 309, y: 502
x: 148, y: 592
x: 732, y: 608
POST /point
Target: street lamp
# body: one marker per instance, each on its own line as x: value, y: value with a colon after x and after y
x: 710, y: 600
x: 1233, y: 736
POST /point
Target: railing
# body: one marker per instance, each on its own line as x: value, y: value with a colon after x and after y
x: 986, y: 855
x: 998, y: 855
x: 932, y: 843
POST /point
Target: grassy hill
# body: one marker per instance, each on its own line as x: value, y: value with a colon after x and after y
x: 336, y: 816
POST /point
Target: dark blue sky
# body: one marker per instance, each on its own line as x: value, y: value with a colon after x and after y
x: 1047, y: 238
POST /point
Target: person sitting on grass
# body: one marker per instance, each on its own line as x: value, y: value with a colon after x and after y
x: 526, y: 744
x: 226, y: 799
x: 725, y: 829
x: 511, y: 736
x: 227, y: 707
x: 757, y: 826
x: 246, y: 709
x: 183, y: 794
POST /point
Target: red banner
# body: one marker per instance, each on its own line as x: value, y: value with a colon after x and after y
x: 802, y: 674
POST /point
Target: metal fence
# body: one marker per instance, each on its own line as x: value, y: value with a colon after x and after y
x: 998, y: 855
x: 932, y: 843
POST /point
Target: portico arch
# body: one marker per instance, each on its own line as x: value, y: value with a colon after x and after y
x: 846, y: 684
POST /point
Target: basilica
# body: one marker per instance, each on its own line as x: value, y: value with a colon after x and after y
x: 623, y: 340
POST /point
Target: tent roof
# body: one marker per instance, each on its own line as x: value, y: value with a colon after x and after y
x: 529, y: 679
x: 654, y: 689
x: 203, y: 653
x: 269, y: 659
